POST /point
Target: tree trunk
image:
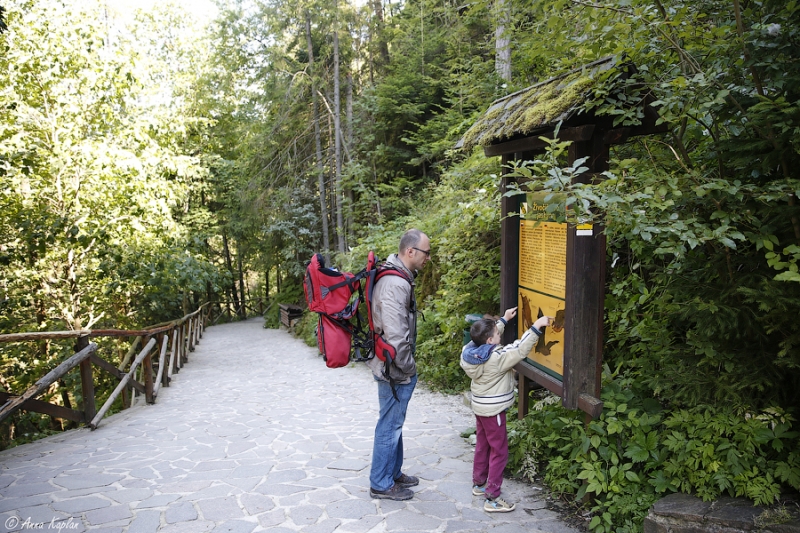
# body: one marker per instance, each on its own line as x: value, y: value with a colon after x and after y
x: 337, y: 106
x: 323, y: 203
x: 229, y: 263
x: 348, y: 146
x: 334, y: 201
x: 242, y: 309
x: 383, y: 47
x: 502, y: 64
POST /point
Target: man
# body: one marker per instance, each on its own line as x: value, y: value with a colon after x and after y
x: 394, y: 316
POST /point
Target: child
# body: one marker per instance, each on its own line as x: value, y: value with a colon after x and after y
x: 490, y: 366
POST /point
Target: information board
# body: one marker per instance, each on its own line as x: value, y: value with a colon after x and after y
x: 542, y: 281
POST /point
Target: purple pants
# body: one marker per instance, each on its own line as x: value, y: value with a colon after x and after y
x: 491, y: 453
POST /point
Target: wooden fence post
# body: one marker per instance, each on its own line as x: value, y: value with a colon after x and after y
x: 147, y: 371
x: 190, y: 333
x: 184, y: 345
x: 87, y: 380
x: 175, y: 355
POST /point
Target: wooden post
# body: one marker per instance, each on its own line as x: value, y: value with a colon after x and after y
x: 509, y: 251
x: 585, y: 293
x: 147, y: 371
x: 174, y: 355
x: 87, y: 381
x: 184, y: 354
x: 524, y: 388
x: 190, y: 333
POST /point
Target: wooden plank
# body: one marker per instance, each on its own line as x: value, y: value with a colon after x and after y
x: 585, y: 295
x: 45, y: 408
x: 87, y: 381
x: 182, y: 343
x: 147, y: 374
x: 122, y: 384
x: 509, y: 251
x: 161, y: 359
x: 42, y: 335
x: 190, y: 334
x: 534, y: 143
x: 590, y: 405
x: 173, y: 356
x: 40, y: 386
x: 617, y: 136
x: 524, y: 388
x: 114, y: 371
x: 542, y: 378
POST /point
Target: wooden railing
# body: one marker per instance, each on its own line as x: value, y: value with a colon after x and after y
x: 252, y: 307
x: 178, y: 337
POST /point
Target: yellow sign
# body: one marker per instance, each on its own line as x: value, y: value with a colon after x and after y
x: 542, y: 281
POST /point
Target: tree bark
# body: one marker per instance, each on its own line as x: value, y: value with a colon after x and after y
x: 348, y: 145
x: 337, y: 106
x: 383, y: 47
x: 229, y: 264
x: 502, y: 64
x: 242, y: 309
x: 323, y: 203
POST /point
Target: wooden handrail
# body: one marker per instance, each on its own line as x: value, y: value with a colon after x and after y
x: 183, y: 333
x: 55, y: 335
x: 37, y: 388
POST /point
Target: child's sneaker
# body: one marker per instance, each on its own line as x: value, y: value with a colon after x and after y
x: 498, y: 505
x: 479, y: 490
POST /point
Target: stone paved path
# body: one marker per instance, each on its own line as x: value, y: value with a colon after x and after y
x: 256, y: 434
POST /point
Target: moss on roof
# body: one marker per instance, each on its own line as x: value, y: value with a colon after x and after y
x: 539, y: 106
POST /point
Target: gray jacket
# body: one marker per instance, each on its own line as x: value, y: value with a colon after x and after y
x: 394, y: 316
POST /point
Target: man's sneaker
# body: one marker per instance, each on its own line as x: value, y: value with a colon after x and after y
x: 497, y: 505
x: 406, y: 481
x: 395, y: 493
x: 479, y: 490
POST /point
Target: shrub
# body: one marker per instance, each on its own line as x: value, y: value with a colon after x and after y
x: 637, y: 452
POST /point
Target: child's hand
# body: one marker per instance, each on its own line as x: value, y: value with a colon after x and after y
x: 509, y: 314
x: 543, y: 322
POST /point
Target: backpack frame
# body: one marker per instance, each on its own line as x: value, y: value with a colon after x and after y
x: 330, y: 293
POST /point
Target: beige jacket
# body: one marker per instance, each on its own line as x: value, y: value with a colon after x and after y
x: 493, y: 381
x: 394, y: 316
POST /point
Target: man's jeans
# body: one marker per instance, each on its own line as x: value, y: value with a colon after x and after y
x: 387, y: 451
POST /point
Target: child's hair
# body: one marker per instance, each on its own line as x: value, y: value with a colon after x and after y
x: 481, y: 330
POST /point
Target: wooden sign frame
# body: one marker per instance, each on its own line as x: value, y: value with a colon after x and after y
x: 516, y: 127
x: 579, y: 387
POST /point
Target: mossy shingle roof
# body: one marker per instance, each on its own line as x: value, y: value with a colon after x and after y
x: 538, y: 107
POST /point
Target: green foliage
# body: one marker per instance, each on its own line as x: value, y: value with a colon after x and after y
x: 92, y: 174
x: 306, y: 329
x: 463, y: 221
x: 637, y: 452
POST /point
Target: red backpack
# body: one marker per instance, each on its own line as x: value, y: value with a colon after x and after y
x: 330, y: 293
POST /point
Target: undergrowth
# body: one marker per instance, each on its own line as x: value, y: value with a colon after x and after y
x: 638, y: 451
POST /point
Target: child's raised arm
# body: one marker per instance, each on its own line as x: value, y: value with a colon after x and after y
x: 509, y: 314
